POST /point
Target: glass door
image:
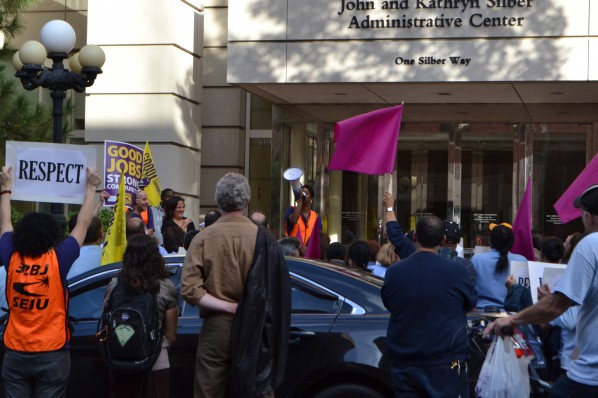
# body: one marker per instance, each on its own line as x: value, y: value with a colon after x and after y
x: 487, y: 181
x: 559, y: 157
x: 422, y: 170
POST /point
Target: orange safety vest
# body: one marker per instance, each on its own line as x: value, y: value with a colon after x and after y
x: 144, y: 216
x: 305, y: 230
x: 37, y: 302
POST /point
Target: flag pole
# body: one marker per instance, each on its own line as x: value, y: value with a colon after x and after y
x: 387, y: 183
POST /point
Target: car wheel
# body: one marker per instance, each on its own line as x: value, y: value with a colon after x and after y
x: 348, y: 391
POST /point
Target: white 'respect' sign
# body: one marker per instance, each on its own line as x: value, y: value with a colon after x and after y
x: 536, y: 275
x: 552, y: 276
x: 43, y: 172
x: 520, y: 270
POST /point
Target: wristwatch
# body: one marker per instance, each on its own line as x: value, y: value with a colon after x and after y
x: 390, y: 209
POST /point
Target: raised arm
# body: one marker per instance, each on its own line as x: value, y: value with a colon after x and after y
x: 87, y: 209
x: 403, y: 246
x: 104, y: 195
x: 294, y: 216
x: 5, y: 189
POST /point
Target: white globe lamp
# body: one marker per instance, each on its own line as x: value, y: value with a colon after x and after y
x: 58, y: 36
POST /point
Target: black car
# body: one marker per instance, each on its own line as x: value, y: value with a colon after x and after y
x: 337, y: 339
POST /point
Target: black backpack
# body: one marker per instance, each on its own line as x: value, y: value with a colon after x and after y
x: 129, y: 332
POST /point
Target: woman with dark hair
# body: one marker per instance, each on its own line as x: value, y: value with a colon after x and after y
x: 552, y: 250
x: 493, y: 268
x: 175, y: 216
x: 570, y: 243
x: 159, y: 212
x: 174, y: 240
x: 359, y: 255
x: 143, y: 271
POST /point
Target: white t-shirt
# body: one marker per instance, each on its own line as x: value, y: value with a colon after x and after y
x: 580, y: 284
x: 568, y: 323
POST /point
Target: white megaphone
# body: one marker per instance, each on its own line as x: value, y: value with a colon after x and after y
x: 293, y: 175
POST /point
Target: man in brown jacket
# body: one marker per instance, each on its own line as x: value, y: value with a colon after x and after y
x: 216, y: 267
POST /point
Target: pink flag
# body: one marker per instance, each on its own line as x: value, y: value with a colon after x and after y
x: 313, y: 245
x: 522, y: 227
x: 588, y: 177
x: 367, y: 143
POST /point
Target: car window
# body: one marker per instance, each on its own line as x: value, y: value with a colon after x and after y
x: 306, y: 300
x: 87, y: 303
x: 189, y: 311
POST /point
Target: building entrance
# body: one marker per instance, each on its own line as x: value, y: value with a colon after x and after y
x: 473, y: 173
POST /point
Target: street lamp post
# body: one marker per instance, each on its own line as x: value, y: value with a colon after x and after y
x: 57, y: 40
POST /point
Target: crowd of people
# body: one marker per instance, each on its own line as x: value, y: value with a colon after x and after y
x: 419, y: 297
x: 429, y: 287
x: 233, y: 262
x: 37, y: 360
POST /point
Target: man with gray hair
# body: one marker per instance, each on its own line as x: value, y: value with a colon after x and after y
x: 290, y: 246
x: 232, y: 269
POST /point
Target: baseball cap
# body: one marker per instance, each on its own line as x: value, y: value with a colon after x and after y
x: 452, y: 231
x: 588, y: 200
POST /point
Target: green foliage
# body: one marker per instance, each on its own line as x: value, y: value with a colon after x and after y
x: 105, y: 216
x: 69, y: 215
x: 10, y: 19
x: 22, y: 119
x: 15, y: 216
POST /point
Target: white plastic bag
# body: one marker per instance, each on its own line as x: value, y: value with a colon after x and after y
x: 503, y: 375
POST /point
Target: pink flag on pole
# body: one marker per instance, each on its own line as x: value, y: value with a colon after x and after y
x: 522, y: 227
x: 588, y: 177
x: 367, y: 143
x: 313, y: 245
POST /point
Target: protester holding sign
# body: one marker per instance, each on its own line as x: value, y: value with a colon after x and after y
x: 493, y: 268
x: 46, y: 172
x: 37, y: 333
x: 577, y: 287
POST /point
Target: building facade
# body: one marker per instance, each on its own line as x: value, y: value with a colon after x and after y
x: 495, y: 91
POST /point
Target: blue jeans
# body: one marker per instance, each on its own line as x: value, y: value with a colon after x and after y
x: 430, y: 381
x: 567, y: 388
x: 40, y: 374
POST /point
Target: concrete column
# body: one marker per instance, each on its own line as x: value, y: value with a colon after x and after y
x: 151, y: 88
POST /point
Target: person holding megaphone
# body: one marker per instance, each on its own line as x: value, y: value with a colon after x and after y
x: 300, y: 221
